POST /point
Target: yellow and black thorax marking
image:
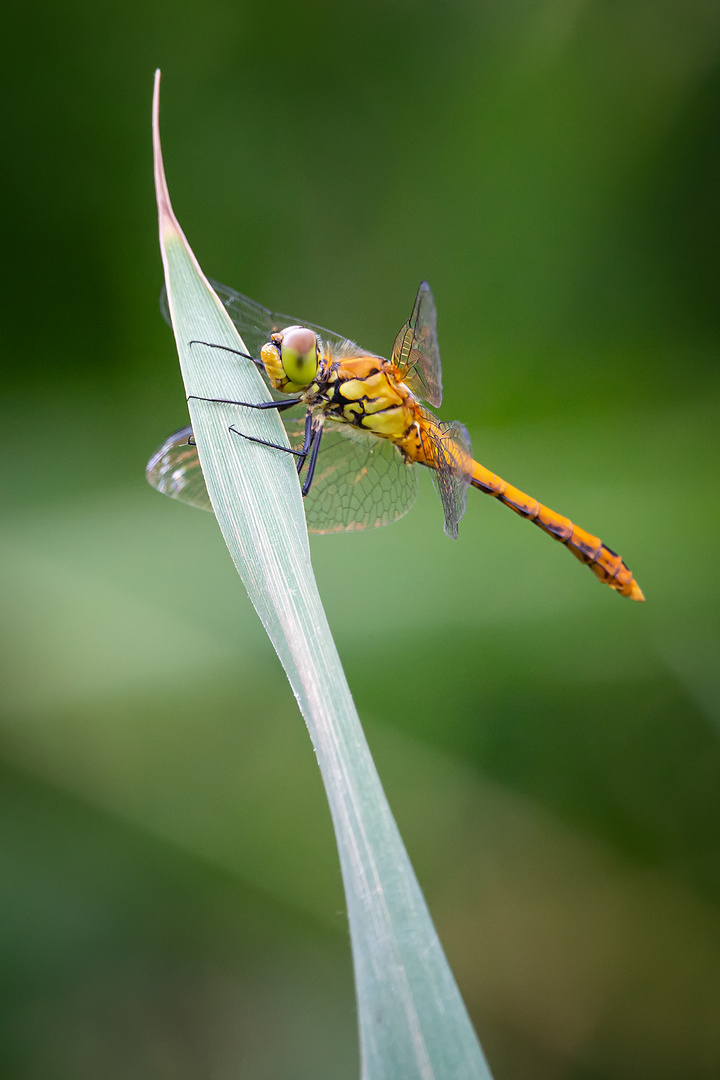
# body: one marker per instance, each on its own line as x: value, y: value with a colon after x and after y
x: 364, y: 391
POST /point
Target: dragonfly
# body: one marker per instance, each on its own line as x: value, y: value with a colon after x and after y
x: 363, y: 423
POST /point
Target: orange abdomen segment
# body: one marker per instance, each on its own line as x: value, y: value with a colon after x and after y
x: 602, y: 560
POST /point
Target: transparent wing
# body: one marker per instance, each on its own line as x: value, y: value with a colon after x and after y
x: 451, y: 454
x: 361, y: 481
x: 416, y: 351
x: 254, y: 322
x: 174, y: 469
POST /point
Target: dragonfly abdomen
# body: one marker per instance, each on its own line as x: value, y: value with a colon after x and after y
x: 605, y: 563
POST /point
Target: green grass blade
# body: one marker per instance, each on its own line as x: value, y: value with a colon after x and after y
x: 412, y: 1020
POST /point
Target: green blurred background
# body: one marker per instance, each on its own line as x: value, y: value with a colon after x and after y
x: 171, y: 905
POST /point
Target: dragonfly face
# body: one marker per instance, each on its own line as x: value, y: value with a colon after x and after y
x: 364, y: 424
x: 291, y: 359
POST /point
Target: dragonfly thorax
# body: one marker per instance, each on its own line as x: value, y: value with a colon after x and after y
x: 291, y: 358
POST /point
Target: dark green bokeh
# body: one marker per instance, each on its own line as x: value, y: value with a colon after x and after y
x: 172, y: 904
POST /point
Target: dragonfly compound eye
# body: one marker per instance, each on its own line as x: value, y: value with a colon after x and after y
x: 300, y: 356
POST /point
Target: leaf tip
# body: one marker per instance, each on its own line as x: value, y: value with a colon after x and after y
x: 169, y: 227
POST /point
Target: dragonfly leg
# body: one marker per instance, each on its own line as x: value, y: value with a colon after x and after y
x: 311, y: 446
x: 272, y: 445
x: 307, y: 439
x: 236, y: 352
x: 287, y: 403
x: 315, y: 447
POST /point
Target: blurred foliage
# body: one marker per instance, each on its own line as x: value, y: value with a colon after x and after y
x: 172, y: 904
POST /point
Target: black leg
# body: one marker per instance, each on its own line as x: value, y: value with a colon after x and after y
x: 287, y: 403
x: 274, y: 446
x: 306, y: 440
x: 316, y: 438
x: 311, y: 445
x: 236, y: 352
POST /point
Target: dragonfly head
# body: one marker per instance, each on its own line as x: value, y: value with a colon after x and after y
x: 292, y: 356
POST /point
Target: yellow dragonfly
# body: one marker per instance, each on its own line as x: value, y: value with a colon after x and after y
x: 362, y: 426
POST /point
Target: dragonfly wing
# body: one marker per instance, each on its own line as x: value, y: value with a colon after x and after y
x: 174, y: 469
x: 451, y: 453
x: 416, y: 351
x: 254, y: 322
x: 251, y: 317
x: 361, y: 481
